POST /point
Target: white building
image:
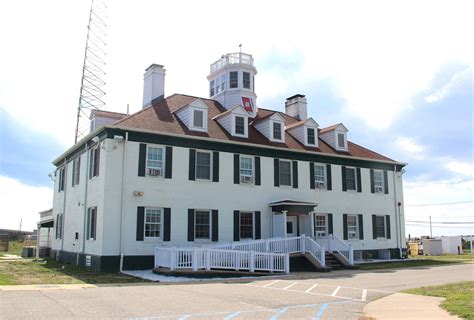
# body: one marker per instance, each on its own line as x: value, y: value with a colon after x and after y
x: 194, y: 171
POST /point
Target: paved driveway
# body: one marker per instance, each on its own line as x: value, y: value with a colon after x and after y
x: 335, y: 295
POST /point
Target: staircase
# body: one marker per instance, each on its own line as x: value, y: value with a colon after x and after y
x: 332, y: 262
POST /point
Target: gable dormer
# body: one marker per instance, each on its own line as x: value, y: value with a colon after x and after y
x: 235, y: 121
x: 305, y: 131
x: 194, y: 115
x: 335, y: 136
x: 272, y: 127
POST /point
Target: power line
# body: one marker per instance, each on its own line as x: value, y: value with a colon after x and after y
x: 446, y: 227
x: 438, y: 204
x: 442, y: 222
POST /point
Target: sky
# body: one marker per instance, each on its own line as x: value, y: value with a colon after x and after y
x: 398, y: 74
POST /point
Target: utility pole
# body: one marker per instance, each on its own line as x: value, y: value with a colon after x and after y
x: 431, y: 229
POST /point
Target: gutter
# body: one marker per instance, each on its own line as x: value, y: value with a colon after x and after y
x: 122, y: 198
x: 84, y: 231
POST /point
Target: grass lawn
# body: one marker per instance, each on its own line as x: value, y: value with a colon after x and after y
x: 14, y: 247
x: 29, y: 271
x: 459, y: 297
x: 420, y: 261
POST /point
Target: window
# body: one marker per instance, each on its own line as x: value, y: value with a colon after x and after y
x: 352, y: 227
x: 76, y: 171
x: 91, y: 223
x: 59, y: 226
x: 378, y: 182
x: 350, y: 178
x: 246, y: 225
x: 246, y: 78
x: 203, y: 165
x: 154, y: 163
x: 246, y: 170
x: 276, y: 131
x: 94, y: 162
x: 341, y: 140
x: 233, y: 79
x: 153, y: 222
x: 285, y: 173
x: 320, y: 176
x: 380, y: 226
x: 202, y: 224
x: 198, y: 119
x: 320, y: 225
x: 61, y: 180
x: 239, y: 125
x: 211, y: 88
x: 311, y: 138
x: 222, y: 78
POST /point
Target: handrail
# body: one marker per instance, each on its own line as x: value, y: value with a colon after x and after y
x: 334, y: 243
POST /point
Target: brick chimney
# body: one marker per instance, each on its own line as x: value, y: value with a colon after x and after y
x: 153, y: 84
x: 297, y: 106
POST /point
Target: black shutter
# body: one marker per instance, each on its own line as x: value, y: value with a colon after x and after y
x: 140, y: 222
x: 236, y: 169
x: 361, y: 227
x: 329, y: 177
x: 97, y: 161
x: 141, y: 160
x: 372, y: 186
x: 88, y: 225
x: 215, y: 166
x: 258, y: 231
x: 91, y: 163
x: 389, y: 234
x: 192, y: 164
x: 343, y: 174
x: 385, y: 182
x: 359, y: 180
x: 190, y: 224
x: 257, y: 171
x: 374, y: 226
x: 344, y: 226
x: 167, y: 225
x: 236, y: 225
x: 276, y: 172
x: 330, y: 228
x: 215, y: 225
x: 311, y: 175
x: 169, y: 163
x: 94, y: 224
x: 295, y: 174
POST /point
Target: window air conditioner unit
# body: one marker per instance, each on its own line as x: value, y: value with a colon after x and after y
x: 320, y: 185
x: 154, y: 172
x: 378, y: 189
x: 246, y: 179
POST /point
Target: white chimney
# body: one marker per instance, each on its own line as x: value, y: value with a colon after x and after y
x: 153, y: 84
x: 297, y: 107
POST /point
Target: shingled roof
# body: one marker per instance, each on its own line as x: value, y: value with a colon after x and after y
x: 161, y: 118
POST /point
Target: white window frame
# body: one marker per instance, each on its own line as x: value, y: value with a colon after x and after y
x: 253, y: 225
x: 210, y: 225
x: 210, y: 165
x: 384, y: 226
x: 316, y: 215
x: 234, y: 88
x: 291, y: 173
x: 212, y: 90
x: 234, y: 126
x: 252, y: 175
x: 59, y: 225
x: 91, y: 223
x: 282, y: 131
x: 93, y: 165
x: 354, y: 230
x: 204, y: 116
x: 243, y: 81
x: 355, y: 179
x: 338, y: 147
x: 161, y: 211
x: 307, y: 136
x: 379, y: 189
x: 76, y: 171
x: 61, y: 179
x: 163, y: 157
x: 318, y: 184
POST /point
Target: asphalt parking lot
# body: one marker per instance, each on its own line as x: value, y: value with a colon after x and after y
x: 335, y: 295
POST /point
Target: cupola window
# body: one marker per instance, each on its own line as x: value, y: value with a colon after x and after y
x: 246, y: 80
x: 233, y: 79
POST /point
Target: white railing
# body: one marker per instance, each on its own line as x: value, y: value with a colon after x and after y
x: 215, y: 258
x: 334, y: 243
x: 232, y: 58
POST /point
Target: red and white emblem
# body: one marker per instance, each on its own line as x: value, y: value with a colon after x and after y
x: 247, y: 103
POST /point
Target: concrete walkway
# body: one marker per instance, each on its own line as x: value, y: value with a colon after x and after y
x: 407, y: 306
x: 35, y: 287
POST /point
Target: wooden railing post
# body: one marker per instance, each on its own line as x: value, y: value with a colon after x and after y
x: 351, y: 255
x: 208, y: 259
x: 330, y: 243
x: 173, y: 259
x: 267, y: 245
x: 287, y: 263
x: 303, y: 243
x: 194, y: 261
x: 323, y: 257
x: 251, y: 261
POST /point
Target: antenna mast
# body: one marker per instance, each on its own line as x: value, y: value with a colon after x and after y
x: 92, y: 92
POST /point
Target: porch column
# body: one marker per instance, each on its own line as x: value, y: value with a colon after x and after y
x: 38, y: 237
x: 285, y: 231
x: 311, y: 214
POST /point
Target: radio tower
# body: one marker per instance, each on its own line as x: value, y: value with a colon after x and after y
x: 93, y: 71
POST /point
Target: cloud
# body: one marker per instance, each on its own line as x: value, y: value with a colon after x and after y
x: 22, y: 201
x: 410, y: 148
x: 465, y: 169
x: 452, y: 84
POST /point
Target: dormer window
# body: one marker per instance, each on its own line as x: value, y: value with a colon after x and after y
x: 198, y: 119
x: 233, y: 79
x: 277, y: 131
x: 341, y: 143
x: 240, y: 126
x: 310, y: 136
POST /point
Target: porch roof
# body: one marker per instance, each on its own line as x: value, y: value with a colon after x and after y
x: 293, y: 207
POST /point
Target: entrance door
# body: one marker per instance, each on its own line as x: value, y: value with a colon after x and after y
x: 291, y: 227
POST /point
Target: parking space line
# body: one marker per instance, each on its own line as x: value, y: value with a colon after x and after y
x: 336, y: 291
x: 282, y: 311
x: 291, y: 285
x: 364, y: 295
x: 233, y: 315
x: 269, y: 284
x: 312, y: 287
x: 184, y: 317
x: 320, y: 312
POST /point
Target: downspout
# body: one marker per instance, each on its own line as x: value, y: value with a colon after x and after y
x: 397, y: 212
x: 85, y: 204
x: 122, y: 202
x: 64, y: 205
